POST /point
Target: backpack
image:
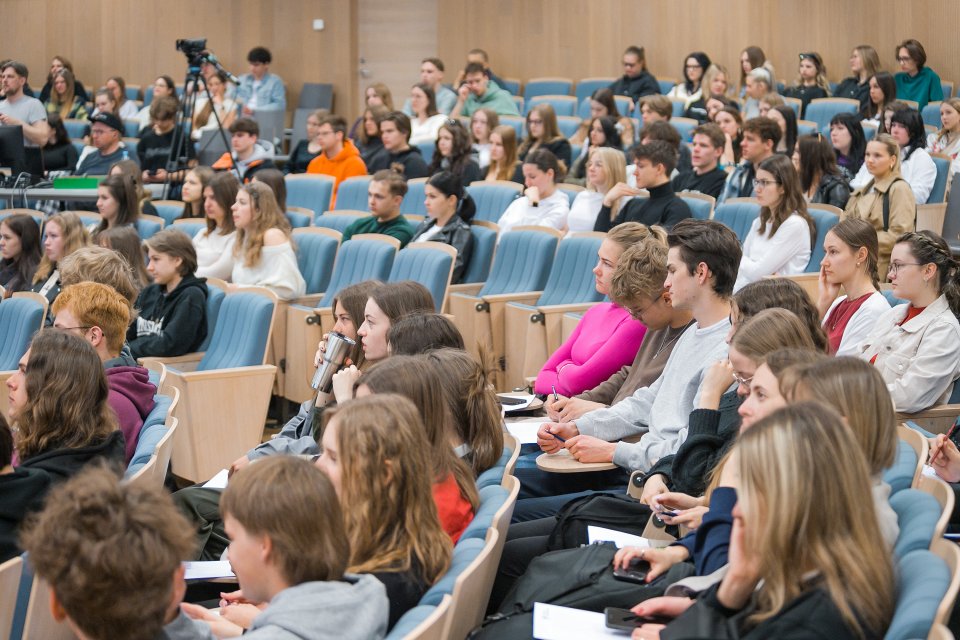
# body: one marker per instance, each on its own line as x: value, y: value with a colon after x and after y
x: 581, y: 578
x: 614, y: 511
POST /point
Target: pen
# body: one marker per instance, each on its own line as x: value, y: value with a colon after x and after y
x: 556, y: 397
x: 558, y: 437
x: 934, y: 454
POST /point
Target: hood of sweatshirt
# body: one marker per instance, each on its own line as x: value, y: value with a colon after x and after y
x: 154, y: 306
x: 348, y: 151
x: 354, y: 608
x: 406, y: 153
x: 63, y: 463
x: 131, y: 398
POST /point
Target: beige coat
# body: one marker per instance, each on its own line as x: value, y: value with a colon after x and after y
x: 867, y: 203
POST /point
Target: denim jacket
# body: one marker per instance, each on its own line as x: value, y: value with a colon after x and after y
x: 270, y: 95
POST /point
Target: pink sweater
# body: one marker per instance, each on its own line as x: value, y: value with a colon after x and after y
x: 605, y: 340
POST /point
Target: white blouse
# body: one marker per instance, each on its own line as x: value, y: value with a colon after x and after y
x: 551, y: 212
x: 277, y: 271
x: 784, y: 253
x: 214, y: 253
x: 428, y: 130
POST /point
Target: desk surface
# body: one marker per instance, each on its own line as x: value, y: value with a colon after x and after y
x: 563, y: 462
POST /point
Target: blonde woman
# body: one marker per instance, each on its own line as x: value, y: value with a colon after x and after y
x: 63, y: 97
x: 263, y: 251
x: 606, y: 167
x: 864, y: 64
x: 714, y: 84
x: 64, y: 233
x: 503, y: 155
x: 947, y: 139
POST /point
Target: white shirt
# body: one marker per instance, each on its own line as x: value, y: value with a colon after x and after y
x: 427, y: 130
x: 940, y: 145
x: 784, y: 253
x: 277, y: 271
x: 583, y: 212
x: 920, y: 173
x: 551, y: 212
x: 214, y: 254
x: 860, y: 324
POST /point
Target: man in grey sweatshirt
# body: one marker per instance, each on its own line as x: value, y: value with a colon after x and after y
x: 701, y: 268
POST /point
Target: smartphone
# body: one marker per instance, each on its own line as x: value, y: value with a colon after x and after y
x: 626, y: 620
x: 636, y: 572
x: 668, y: 513
x: 510, y: 400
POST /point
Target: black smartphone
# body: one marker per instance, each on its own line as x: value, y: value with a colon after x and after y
x: 636, y: 572
x: 510, y: 400
x: 626, y: 620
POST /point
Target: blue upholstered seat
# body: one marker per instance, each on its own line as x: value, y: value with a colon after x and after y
x: 168, y: 211
x: 335, y: 221
x: 215, y: 297
x: 701, y: 209
x: 358, y: 260
x: 352, y: 194
x: 939, y: 191
x: 150, y: 434
x: 413, y: 201
x: 547, y: 87
x: 822, y: 110
x: 492, y: 498
x: 824, y: 221
x: 900, y: 475
x: 430, y: 267
x: 492, y: 200
x: 522, y: 263
x: 484, y: 244
x: 316, y: 253
x: 147, y: 228
x: 571, y: 278
x: 738, y: 216
x: 312, y: 191
x: 20, y: 319
x: 240, y: 336
x: 463, y: 554
x: 917, y: 514
x: 922, y: 581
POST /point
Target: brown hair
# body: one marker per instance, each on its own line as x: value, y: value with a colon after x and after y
x: 66, y: 405
x: 792, y: 202
x: 110, y: 551
x: 915, y: 50
x: 396, y: 183
x: 273, y: 178
x: 266, y: 215
x: 75, y: 236
x: 175, y: 243
x: 385, y: 479
x: 99, y: 264
x: 291, y: 502
x: 164, y: 108
x: 711, y: 243
x: 131, y: 169
x: 640, y: 273
x: 383, y: 91
x: 506, y: 167
x: 97, y: 305
x: 397, y: 299
x: 769, y: 330
x: 63, y: 102
x: 551, y: 130
x: 195, y: 209
x: 770, y: 293
x: 225, y: 187
x: 857, y: 233
x: 659, y: 104
x: 757, y: 58
x: 419, y: 332
x: 245, y: 125
x: 123, y: 189
x: 378, y: 112
x: 126, y: 242
x: 353, y: 299
x: 713, y: 133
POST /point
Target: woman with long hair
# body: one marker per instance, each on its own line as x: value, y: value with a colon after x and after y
x: 482, y: 123
x: 811, y: 82
x: 780, y: 239
x: 714, y: 83
x: 125, y: 241
x: 58, y: 63
x: 822, y: 182
x: 453, y: 152
x: 544, y: 133
x: 503, y: 154
x: 850, y: 262
x: 385, y: 305
x: 63, y: 99
x: 916, y: 165
x: 63, y: 233
x: 195, y: 182
x: 117, y: 203
x: 130, y: 171
x: 946, y: 140
x: 309, y: 147
x: 605, y: 167
x: 19, y: 252
x: 426, y: 120
x: 368, y: 136
x: 59, y: 154
x: 373, y: 457
x: 163, y: 87
x: 786, y: 119
x: 694, y: 67
x: 603, y: 133
x: 883, y: 91
x: 916, y: 345
x: 849, y: 142
x: 263, y: 251
x: 864, y: 64
x: 225, y: 108
x: 752, y: 58
x: 375, y: 95
x: 449, y: 212
x: 215, y: 244
x: 730, y: 121
x: 602, y: 105
x: 542, y: 202
x: 126, y: 109
x: 886, y: 201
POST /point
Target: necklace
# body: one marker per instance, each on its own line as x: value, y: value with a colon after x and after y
x: 666, y: 334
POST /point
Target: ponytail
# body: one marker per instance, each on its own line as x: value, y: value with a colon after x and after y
x: 928, y: 247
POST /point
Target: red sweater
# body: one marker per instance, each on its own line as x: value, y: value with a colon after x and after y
x: 455, y: 512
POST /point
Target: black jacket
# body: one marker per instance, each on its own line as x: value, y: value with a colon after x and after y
x: 851, y: 88
x: 169, y: 324
x: 559, y: 147
x: 637, y: 87
x: 23, y: 492
x: 805, y: 94
x: 455, y: 233
x: 411, y: 159
x: 833, y: 190
x: 710, y: 183
x: 662, y: 208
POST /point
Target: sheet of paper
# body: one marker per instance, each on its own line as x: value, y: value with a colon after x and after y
x: 218, y: 481
x: 526, y: 431
x: 208, y: 570
x: 929, y: 471
x: 551, y: 622
x: 526, y: 397
x: 619, y: 538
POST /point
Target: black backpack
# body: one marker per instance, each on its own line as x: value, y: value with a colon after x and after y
x: 614, y: 511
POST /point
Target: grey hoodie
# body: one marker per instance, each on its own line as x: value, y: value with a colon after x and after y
x: 355, y: 608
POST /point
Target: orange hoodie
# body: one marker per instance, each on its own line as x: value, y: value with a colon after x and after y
x: 345, y: 164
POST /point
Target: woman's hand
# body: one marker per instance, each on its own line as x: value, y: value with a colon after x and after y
x: 588, y: 449
x: 618, y: 191
x: 690, y: 518
x: 218, y: 626
x: 660, y: 560
x: 343, y: 383
x: 717, y: 380
x: 241, y: 615
x: 572, y: 408
x: 653, y: 486
x: 673, y: 500
x: 545, y: 436
x: 828, y: 292
x: 945, y: 458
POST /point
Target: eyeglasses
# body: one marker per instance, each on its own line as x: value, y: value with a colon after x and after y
x: 637, y: 314
x: 532, y: 121
x: 692, y: 66
x: 740, y: 380
x: 763, y: 184
x: 896, y: 266
x: 80, y: 328
x: 904, y: 59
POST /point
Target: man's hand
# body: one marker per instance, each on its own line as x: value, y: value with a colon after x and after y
x: 589, y: 449
x: 545, y: 436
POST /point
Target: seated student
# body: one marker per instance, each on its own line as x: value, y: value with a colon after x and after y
x: 916, y: 81
x: 454, y: 485
x: 157, y: 143
x: 449, y: 212
x: 454, y: 153
x: 163, y: 87
x: 263, y: 251
x: 172, y: 312
x: 915, y: 345
x: 63, y: 233
x: 479, y: 91
x: 106, y: 130
x: 125, y: 241
x: 695, y: 66
x: 849, y: 143
x: 194, y: 183
x: 100, y: 315
x: 214, y: 245
x: 727, y: 117
x: 339, y: 157
x: 636, y: 81
x: 605, y: 168
x: 864, y: 64
x: 309, y: 147
x: 131, y: 171
x: 289, y: 549
x: 431, y: 75
x: 603, y: 133
x: 101, y: 594
x: 820, y: 178
x: 368, y: 137
x: 425, y: 121
x: 603, y: 105
x: 480, y: 57
x: 714, y: 84
x: 104, y: 101
x: 655, y: 108
x: 59, y: 62
x: 786, y: 119
x: 945, y: 140
x: 126, y: 108
x: 248, y: 154
x: 657, y: 111
x: 701, y: 269
x: 883, y: 91
x: 392, y: 524
x: 397, y: 154
x: 216, y: 113
x: 543, y: 133
x: 637, y: 285
x: 768, y: 102
x: 760, y: 138
x: 260, y: 90
x: 59, y: 154
x: 607, y: 337
x: 759, y: 84
x: 850, y: 261
x: 23, y: 490
x: 751, y: 58
x: 542, y: 202
x: 376, y: 96
x: 784, y: 249
x: 886, y: 201
x: 503, y: 155
x: 706, y: 175
x: 63, y: 99
x: 422, y: 331
x: 19, y: 252
x: 916, y: 165
x: 811, y: 81
x: 54, y: 440
x: 482, y: 124
x: 384, y: 195
x: 654, y: 162
x: 845, y: 590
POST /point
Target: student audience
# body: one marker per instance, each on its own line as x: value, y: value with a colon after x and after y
x: 503, y: 155
x: 385, y: 192
x: 729, y: 120
x: 916, y: 81
x: 453, y: 152
x: 58, y: 63
x: 607, y: 337
x: 479, y: 91
x: 163, y: 87
x: 260, y: 90
x: 308, y: 148
x: 63, y: 233
x: 760, y: 138
x: 385, y: 305
x: 248, y: 154
x: 849, y: 143
x: 194, y: 184
x: 214, y: 245
x: 19, y: 252
x: 449, y: 212
x: 425, y: 120
x: 946, y: 140
x: 821, y: 181
x: 542, y: 202
x: 431, y: 75
x: 605, y: 168
x: 636, y: 81
x: 811, y: 81
x: 482, y: 124
x: 63, y: 99
x: 59, y: 154
x: 543, y: 133
x: 263, y: 251
x: 210, y: 114
x: 480, y: 57
x: 706, y: 175
x: 603, y: 133
x: 602, y: 104
x: 338, y: 156
x: 397, y: 154
x: 769, y: 101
